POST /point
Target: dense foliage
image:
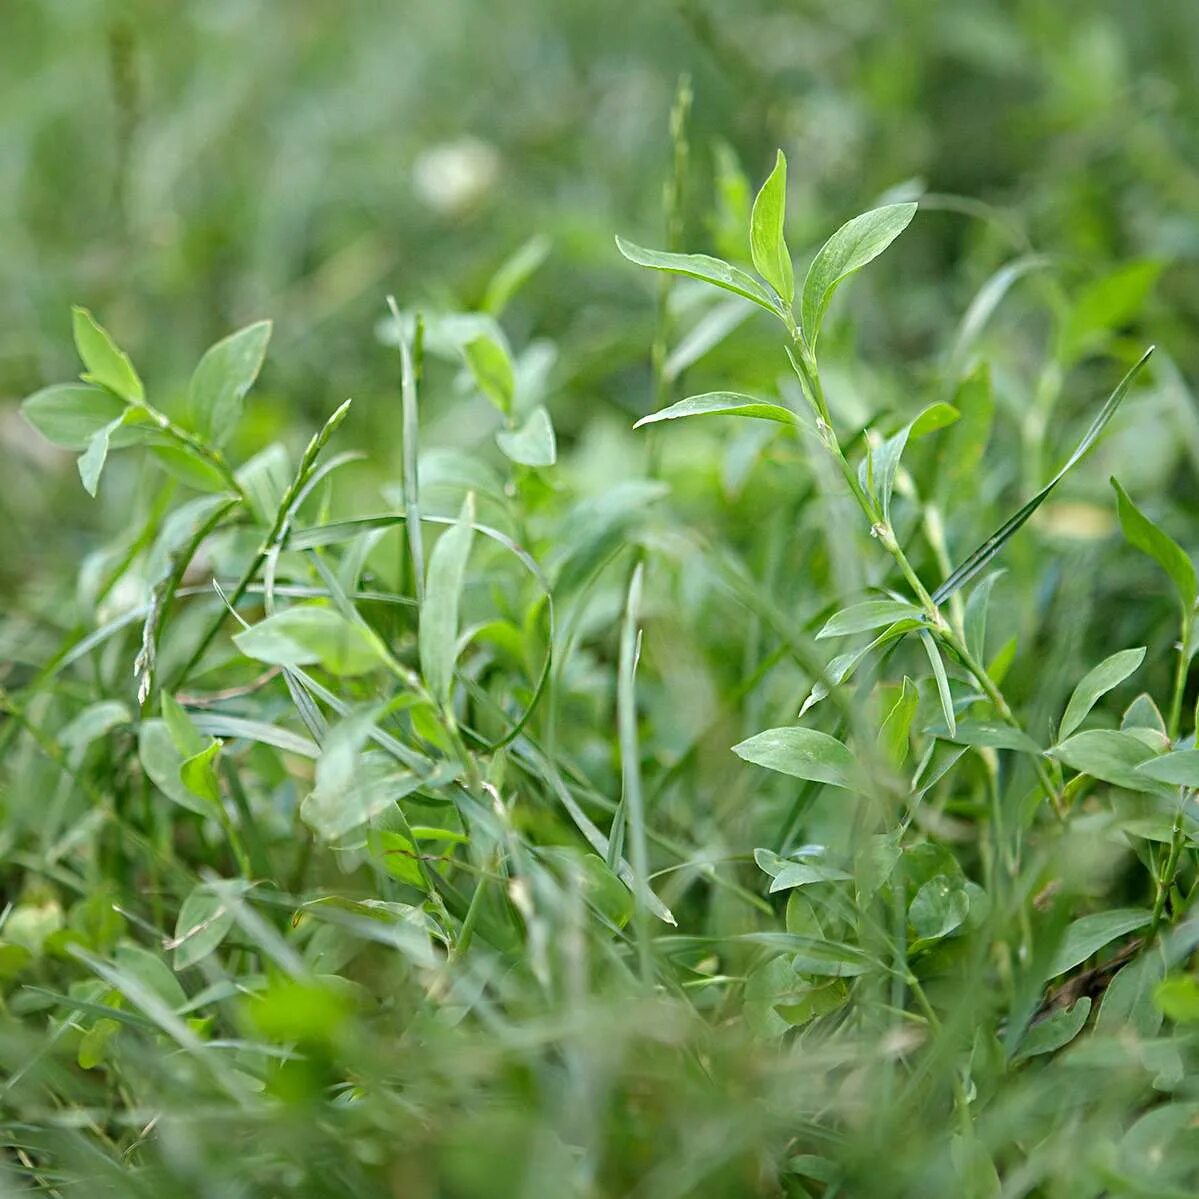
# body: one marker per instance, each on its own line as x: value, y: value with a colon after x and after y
x: 708, y: 719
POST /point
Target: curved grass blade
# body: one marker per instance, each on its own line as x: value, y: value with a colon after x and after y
x: 993, y: 544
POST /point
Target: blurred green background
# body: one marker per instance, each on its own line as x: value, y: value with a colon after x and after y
x: 182, y: 169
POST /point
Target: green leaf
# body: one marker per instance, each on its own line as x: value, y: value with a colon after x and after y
x: 491, y: 366
x: 961, y: 450
x: 1105, y: 305
x: 894, y: 737
x: 354, y: 787
x: 977, y: 561
x: 700, y: 266
x: 830, y: 959
x: 1178, y: 998
x: 1090, y: 934
x: 223, y: 377
x: 107, y: 365
x: 93, y: 1046
x: 1180, y: 768
x: 514, y: 272
x: 855, y: 244
x: 1097, y: 682
x: 975, y: 620
x: 151, y: 973
x: 993, y: 735
x: 939, y: 907
x: 722, y: 403
x: 801, y: 753
x: 885, y: 457
x: 186, y: 739
x: 1128, y: 1000
x: 942, y: 681
x: 205, y: 919
x: 1055, y: 1031
x: 307, y: 635
x: 397, y: 855
x: 161, y: 761
x: 71, y: 414
x: 533, y: 443
x: 438, y: 634
x: 767, y: 245
x: 872, y: 614
x: 1142, y: 533
x: 198, y: 773
x: 1111, y: 756
x: 91, y: 461
x: 802, y: 874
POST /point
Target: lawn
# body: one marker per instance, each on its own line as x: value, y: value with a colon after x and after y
x: 599, y: 602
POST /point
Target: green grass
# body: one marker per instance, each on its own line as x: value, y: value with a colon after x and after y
x: 696, y: 725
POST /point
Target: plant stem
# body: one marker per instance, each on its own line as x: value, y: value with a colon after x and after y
x: 1166, y: 879
x: 1180, y: 679
x: 880, y: 527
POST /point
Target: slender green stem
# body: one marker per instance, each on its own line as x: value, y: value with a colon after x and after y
x: 193, y: 445
x: 1165, y: 881
x: 880, y: 527
x: 1180, y: 679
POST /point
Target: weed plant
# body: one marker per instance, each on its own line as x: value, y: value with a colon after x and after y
x: 722, y: 809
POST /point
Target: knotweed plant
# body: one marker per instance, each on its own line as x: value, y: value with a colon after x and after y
x: 421, y: 846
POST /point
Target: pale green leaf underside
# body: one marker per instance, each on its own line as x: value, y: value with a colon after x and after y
x: 801, y: 753
x: 855, y: 244
x: 223, y: 377
x: 1142, y: 533
x: 1097, y: 682
x: 871, y: 614
x: 722, y: 403
x: 703, y: 267
x: 533, y: 444
x: 1090, y: 934
x: 107, y: 364
x: 311, y: 635
x: 767, y: 245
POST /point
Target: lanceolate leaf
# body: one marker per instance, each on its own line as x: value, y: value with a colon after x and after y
x: 224, y: 376
x: 1090, y: 934
x: 700, y: 266
x: 872, y: 614
x: 978, y: 560
x: 768, y: 248
x: 801, y: 753
x: 310, y: 635
x: 1111, y: 756
x: 91, y: 461
x: 1163, y: 549
x: 107, y: 364
x: 722, y: 403
x: 1097, y: 682
x: 895, y: 733
x: 855, y: 244
x: 884, y: 458
x: 491, y: 366
x: 71, y: 414
x: 938, y: 666
x: 1180, y: 768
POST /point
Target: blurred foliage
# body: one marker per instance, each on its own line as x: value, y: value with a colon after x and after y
x: 359, y: 946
